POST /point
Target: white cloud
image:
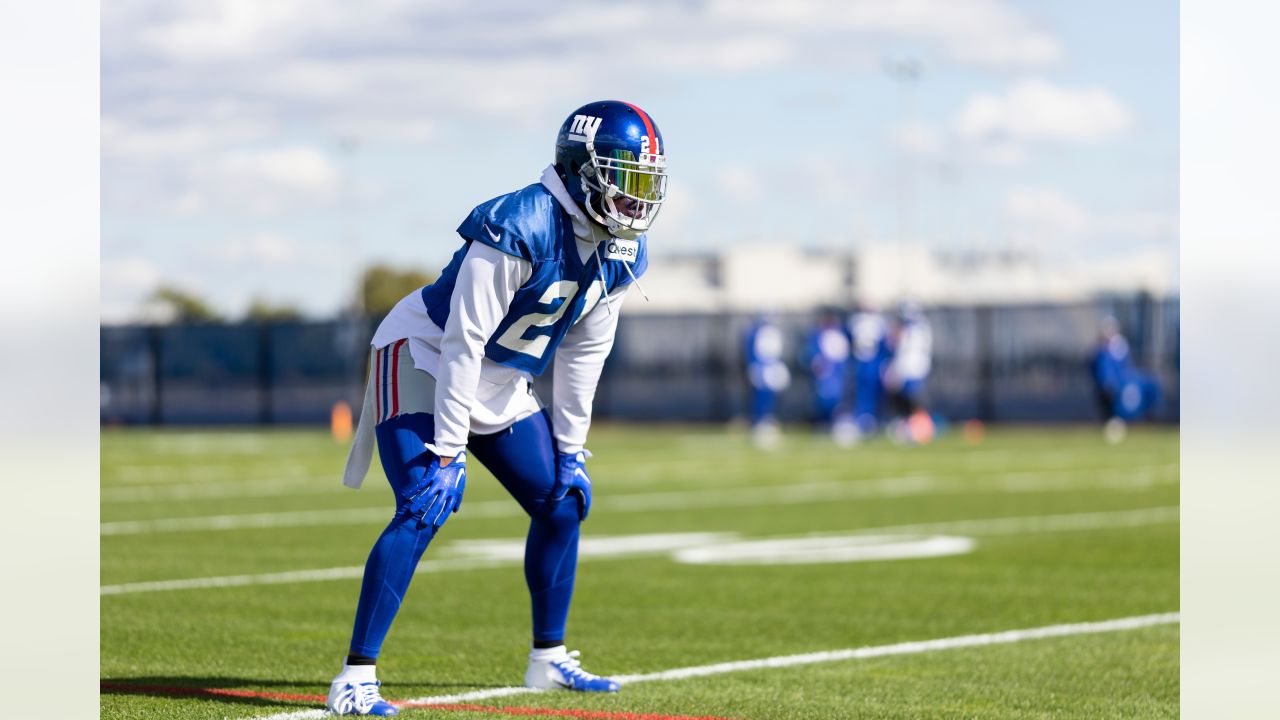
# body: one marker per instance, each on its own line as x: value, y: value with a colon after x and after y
x: 1046, y: 218
x: 1142, y: 225
x: 919, y: 139
x: 1003, y: 154
x: 129, y: 275
x: 741, y: 184
x: 985, y: 33
x: 1037, y: 110
x: 125, y: 284
x: 260, y: 181
x: 259, y: 249
x: 379, y: 65
x: 1043, y: 213
x: 298, y: 169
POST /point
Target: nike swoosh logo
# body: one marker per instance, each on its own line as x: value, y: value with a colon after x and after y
x: 562, y: 683
x: 496, y: 237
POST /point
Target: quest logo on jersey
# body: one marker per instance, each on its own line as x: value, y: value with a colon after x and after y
x: 584, y: 127
x: 624, y: 250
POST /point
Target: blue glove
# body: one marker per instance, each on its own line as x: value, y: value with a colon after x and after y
x: 571, y: 477
x: 440, y: 492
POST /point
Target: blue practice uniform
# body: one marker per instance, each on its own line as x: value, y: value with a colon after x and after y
x: 1124, y: 391
x: 766, y: 371
x: 562, y: 288
x: 828, y: 356
x: 871, y: 353
x: 529, y: 224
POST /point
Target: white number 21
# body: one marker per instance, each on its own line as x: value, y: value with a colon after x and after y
x: 514, y: 339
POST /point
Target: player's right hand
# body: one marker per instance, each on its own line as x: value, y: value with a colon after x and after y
x: 440, y: 493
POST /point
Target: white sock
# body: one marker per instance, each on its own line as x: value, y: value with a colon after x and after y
x: 357, y: 673
x: 550, y: 653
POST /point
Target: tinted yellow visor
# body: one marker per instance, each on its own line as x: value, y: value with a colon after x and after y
x: 637, y: 180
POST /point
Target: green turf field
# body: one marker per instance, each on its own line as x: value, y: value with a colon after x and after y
x: 230, y: 571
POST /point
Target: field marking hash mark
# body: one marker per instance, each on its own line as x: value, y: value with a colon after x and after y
x: 748, y: 496
x: 986, y: 526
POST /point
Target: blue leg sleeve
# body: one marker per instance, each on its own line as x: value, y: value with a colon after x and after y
x: 395, y: 555
x: 523, y: 459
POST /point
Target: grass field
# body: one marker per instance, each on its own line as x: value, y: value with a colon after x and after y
x: 231, y: 565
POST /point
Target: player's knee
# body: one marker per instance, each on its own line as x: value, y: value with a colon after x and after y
x: 564, y: 512
x: 415, y: 518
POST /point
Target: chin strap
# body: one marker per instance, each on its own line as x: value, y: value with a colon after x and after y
x: 636, y: 280
x: 604, y: 287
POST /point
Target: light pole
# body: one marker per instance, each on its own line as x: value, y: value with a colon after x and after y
x: 905, y: 72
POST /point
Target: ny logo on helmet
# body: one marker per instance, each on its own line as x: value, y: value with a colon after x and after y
x: 583, y: 127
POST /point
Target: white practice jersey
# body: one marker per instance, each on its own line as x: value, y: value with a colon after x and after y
x: 913, y: 356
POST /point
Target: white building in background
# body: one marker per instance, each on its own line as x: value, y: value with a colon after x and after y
x: 782, y: 278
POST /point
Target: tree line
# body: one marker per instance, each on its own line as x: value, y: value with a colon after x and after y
x: 379, y: 289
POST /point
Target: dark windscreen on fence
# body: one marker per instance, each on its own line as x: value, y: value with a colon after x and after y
x: 1016, y: 363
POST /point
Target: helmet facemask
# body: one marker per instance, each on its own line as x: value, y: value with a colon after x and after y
x: 624, y: 193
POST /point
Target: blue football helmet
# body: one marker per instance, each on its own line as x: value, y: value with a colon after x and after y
x: 613, y: 162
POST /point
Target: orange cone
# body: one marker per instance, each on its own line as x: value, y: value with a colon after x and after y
x: 340, y: 421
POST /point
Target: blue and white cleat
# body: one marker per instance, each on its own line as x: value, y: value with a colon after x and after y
x: 556, y: 669
x: 358, y: 698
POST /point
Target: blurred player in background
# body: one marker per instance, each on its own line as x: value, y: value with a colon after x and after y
x: 768, y: 375
x: 538, y: 282
x: 1124, y: 392
x: 908, y: 369
x: 870, y: 360
x: 827, y: 356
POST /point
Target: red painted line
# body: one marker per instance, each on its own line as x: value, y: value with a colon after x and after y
x: 205, y: 692
x: 556, y: 712
x: 106, y: 686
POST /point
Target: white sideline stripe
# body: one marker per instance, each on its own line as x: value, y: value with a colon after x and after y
x: 990, y: 526
x: 275, y: 487
x: 291, y: 576
x: 911, y: 648
x: 750, y: 496
x: 780, y: 661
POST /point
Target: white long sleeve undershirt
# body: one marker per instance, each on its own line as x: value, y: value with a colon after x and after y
x: 576, y: 372
x: 487, y: 281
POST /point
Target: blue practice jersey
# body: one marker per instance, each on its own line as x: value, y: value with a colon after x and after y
x: 530, y: 224
x: 1111, y: 363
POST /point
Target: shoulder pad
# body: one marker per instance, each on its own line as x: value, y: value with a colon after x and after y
x: 526, y: 223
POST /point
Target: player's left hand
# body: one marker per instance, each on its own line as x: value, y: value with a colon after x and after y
x: 571, y: 477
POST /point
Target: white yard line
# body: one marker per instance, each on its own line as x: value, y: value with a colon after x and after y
x: 291, y: 576
x: 798, y: 493
x: 273, y: 487
x: 986, y: 526
x: 1006, y: 637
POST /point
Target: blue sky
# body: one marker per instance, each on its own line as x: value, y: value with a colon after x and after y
x: 272, y: 148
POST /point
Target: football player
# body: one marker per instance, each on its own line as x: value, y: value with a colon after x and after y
x: 870, y: 357
x: 1124, y: 392
x: 768, y: 375
x: 827, y: 352
x: 537, y: 283
x: 907, y: 372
